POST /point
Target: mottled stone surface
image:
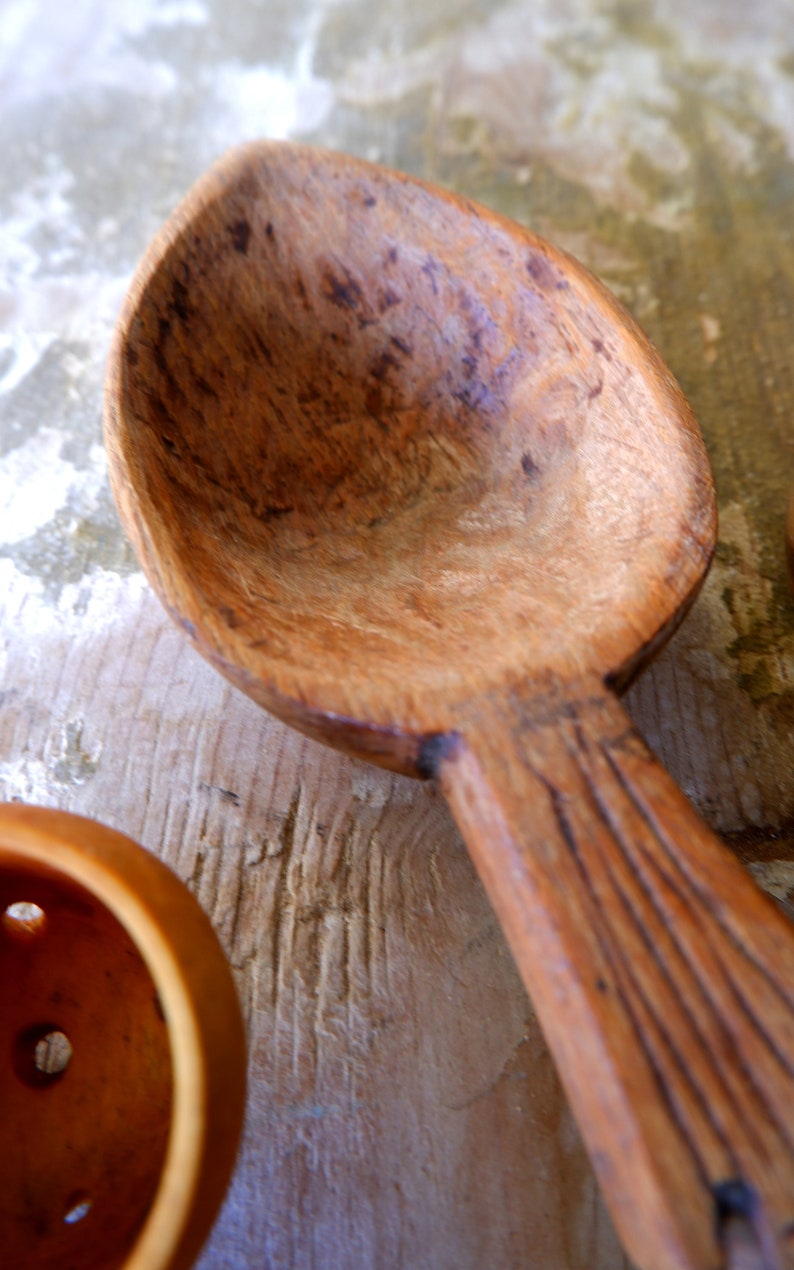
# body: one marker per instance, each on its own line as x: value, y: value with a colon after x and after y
x: 655, y: 140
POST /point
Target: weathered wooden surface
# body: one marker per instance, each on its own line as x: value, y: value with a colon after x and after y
x: 403, y: 1109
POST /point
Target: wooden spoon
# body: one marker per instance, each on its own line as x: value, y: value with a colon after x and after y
x: 412, y: 479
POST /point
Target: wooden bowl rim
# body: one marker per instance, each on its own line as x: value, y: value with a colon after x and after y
x: 181, y: 951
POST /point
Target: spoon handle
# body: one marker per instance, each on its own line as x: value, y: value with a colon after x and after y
x: 662, y: 977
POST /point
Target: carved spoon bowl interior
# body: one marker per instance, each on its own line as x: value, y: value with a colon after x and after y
x: 412, y: 479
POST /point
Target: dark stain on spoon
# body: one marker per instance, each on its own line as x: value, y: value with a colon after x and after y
x: 241, y: 235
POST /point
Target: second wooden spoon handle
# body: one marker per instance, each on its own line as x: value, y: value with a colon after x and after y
x: 662, y: 977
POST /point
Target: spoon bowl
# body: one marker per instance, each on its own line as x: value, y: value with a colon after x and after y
x: 413, y: 480
x: 365, y: 424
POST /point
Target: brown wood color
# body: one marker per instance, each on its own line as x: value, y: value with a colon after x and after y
x: 122, y: 1098
x: 789, y: 541
x: 413, y: 480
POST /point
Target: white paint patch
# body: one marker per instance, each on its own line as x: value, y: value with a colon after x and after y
x: 74, y: 308
x: 46, y: 647
x: 370, y: 786
x: 40, y: 300
x: 48, y: 48
x: 259, y: 101
x: 545, y: 81
x: 565, y: 84
x: 711, y: 330
x: 23, y: 350
x: 109, y: 600
x: 42, y: 210
x: 177, y: 13
x: 263, y: 101
x: 36, y: 482
x: 27, y: 780
x: 268, y: 101
x: 77, y: 308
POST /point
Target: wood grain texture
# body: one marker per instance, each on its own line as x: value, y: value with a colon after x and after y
x: 654, y: 141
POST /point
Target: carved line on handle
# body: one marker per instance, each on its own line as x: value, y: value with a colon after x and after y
x: 718, y: 949
x: 643, y: 1016
x: 639, y: 895
x: 755, y: 1049
x: 779, y: 987
x: 644, y: 864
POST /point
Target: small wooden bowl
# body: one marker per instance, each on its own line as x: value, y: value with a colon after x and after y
x: 121, y: 1098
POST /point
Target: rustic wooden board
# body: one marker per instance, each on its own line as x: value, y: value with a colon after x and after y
x: 402, y: 1106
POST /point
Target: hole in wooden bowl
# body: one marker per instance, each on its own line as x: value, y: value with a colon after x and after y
x: 23, y: 918
x: 42, y: 1055
x: 53, y: 1053
x: 87, y: 1104
x: 78, y: 1206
